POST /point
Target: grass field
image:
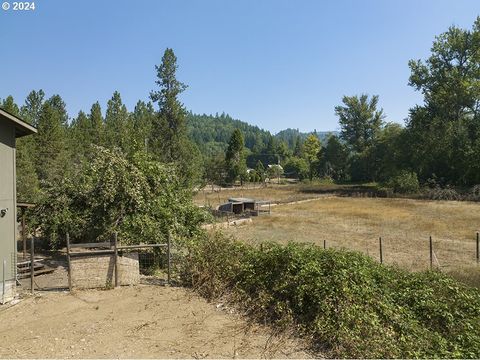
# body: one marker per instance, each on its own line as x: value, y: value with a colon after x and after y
x: 356, y: 224
x: 274, y: 193
x: 282, y: 193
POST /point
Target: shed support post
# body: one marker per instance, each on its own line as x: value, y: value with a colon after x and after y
x: 24, y: 235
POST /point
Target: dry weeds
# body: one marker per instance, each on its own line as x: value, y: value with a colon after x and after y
x: 356, y: 224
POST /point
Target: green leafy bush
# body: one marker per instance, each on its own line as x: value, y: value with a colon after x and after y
x: 405, y: 183
x: 296, y: 168
x: 348, y: 304
x: 139, y: 198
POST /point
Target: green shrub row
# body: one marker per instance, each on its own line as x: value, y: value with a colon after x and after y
x: 350, y: 305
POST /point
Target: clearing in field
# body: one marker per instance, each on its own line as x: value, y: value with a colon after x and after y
x: 357, y: 223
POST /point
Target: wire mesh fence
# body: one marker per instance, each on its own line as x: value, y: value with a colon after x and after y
x: 436, y: 252
x: 117, y: 264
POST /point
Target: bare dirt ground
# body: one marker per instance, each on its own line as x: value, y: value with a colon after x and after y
x: 144, y: 321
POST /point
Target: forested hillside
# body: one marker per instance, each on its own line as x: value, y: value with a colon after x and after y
x: 211, y: 133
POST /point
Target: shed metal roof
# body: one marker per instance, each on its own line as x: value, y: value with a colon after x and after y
x: 241, y: 200
x: 21, y: 127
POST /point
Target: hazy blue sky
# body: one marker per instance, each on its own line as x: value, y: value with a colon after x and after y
x: 276, y: 64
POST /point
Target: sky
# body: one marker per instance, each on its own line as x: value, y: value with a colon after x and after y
x: 276, y: 64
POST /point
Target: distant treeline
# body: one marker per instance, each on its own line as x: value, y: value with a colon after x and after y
x: 211, y: 133
x: 438, y: 146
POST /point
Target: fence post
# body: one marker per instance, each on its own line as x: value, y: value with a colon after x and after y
x: 431, y: 253
x: 381, y: 250
x: 324, y: 244
x: 3, y: 280
x: 32, y: 262
x: 478, y: 248
x: 168, y: 257
x: 68, y: 263
x: 115, y: 254
x: 24, y: 235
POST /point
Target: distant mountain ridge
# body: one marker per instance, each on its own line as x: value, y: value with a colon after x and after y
x: 211, y: 133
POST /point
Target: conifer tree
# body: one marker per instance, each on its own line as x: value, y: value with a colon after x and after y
x: 80, y: 136
x: 298, y: 147
x: 142, y: 120
x: 27, y: 182
x: 28, y: 187
x: 116, y: 118
x: 50, y: 142
x: 96, y: 124
x: 10, y: 106
x: 169, y: 130
x: 170, y: 142
x: 260, y: 170
x: 30, y: 112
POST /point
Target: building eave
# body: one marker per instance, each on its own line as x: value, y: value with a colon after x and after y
x: 22, y: 128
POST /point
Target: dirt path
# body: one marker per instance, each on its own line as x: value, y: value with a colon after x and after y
x: 145, y: 321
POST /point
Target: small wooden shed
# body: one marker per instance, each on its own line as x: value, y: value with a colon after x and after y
x: 11, y: 127
x: 238, y: 205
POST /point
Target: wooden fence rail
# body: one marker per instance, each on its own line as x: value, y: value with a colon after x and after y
x: 108, y: 248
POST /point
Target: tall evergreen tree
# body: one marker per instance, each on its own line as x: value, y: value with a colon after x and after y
x: 169, y: 130
x: 298, y: 147
x: 116, y: 119
x: 28, y: 187
x: 10, y: 106
x: 50, y: 142
x: 169, y: 134
x: 260, y: 170
x: 80, y: 133
x: 27, y: 182
x: 334, y: 159
x: 30, y: 112
x: 96, y: 125
x: 142, y: 120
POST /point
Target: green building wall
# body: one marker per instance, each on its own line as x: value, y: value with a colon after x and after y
x: 8, y: 205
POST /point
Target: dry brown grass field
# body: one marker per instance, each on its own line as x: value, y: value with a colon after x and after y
x: 356, y: 224
x: 273, y: 192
